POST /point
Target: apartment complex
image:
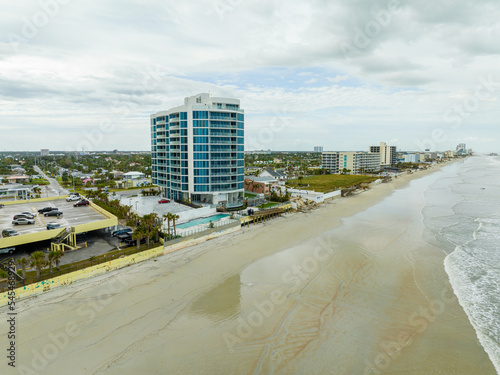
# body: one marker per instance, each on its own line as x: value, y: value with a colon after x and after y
x: 388, y: 154
x: 354, y: 162
x: 318, y: 148
x: 198, y: 150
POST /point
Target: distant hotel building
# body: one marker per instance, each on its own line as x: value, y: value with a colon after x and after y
x: 388, y: 154
x: 198, y: 150
x: 44, y: 152
x: 356, y: 162
x: 318, y: 148
x: 461, y: 150
x: 360, y: 162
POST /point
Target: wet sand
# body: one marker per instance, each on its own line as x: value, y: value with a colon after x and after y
x: 350, y: 288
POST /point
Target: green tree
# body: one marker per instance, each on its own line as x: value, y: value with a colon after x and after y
x: 37, y: 259
x: 54, y: 257
x: 174, y: 218
x: 138, y: 234
x: 23, y: 262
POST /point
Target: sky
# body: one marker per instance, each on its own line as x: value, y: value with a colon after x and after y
x: 342, y: 74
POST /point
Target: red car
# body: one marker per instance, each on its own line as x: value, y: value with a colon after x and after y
x: 83, y: 202
x: 164, y: 200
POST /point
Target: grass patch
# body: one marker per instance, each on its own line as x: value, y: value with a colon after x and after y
x: 330, y: 182
x: 249, y: 195
x: 39, y: 181
x: 268, y: 205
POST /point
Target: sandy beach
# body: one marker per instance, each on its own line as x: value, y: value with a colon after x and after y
x: 354, y: 287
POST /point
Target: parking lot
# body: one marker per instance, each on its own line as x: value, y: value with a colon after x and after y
x: 147, y: 205
x: 71, y: 215
x: 97, y: 242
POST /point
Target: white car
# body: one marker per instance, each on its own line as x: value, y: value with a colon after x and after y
x: 23, y: 221
x: 7, y: 250
x: 72, y: 198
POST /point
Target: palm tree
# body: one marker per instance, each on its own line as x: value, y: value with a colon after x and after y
x: 23, y: 262
x: 156, y: 225
x: 57, y: 257
x: 174, y: 218
x: 50, y: 260
x: 37, y: 259
x: 167, y: 218
x: 148, y: 223
x: 138, y: 235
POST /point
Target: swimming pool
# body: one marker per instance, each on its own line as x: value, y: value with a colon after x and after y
x: 202, y: 220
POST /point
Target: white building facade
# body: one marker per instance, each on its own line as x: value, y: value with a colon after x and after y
x: 198, y: 150
x: 353, y: 162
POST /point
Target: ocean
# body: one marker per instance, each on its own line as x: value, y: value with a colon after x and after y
x: 462, y: 213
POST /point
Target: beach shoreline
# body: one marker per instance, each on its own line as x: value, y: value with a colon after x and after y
x: 192, y: 300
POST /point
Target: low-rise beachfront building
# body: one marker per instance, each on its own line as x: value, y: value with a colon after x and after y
x: 274, y: 174
x: 198, y: 151
x: 353, y: 162
x: 412, y: 158
x: 260, y: 185
x: 330, y: 161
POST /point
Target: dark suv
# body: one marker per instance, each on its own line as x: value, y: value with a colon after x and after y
x: 46, y: 209
x: 55, y: 212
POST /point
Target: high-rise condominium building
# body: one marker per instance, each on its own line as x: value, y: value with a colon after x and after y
x: 198, y: 150
x: 318, y: 148
x: 388, y: 154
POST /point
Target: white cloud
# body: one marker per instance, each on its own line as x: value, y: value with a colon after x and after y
x: 92, y: 59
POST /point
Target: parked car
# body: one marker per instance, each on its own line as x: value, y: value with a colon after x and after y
x: 46, y: 209
x: 7, y: 250
x: 53, y: 225
x: 22, y: 216
x: 28, y: 214
x: 53, y: 213
x: 83, y: 202
x: 164, y: 200
x: 73, y: 198
x: 23, y: 221
x: 121, y: 231
x: 124, y: 236
x: 132, y: 242
x: 9, y: 233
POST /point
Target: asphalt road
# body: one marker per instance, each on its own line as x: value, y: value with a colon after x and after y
x: 54, y: 189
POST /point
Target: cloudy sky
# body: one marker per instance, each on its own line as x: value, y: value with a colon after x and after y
x: 342, y: 74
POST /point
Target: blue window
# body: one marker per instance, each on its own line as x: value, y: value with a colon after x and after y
x: 200, y: 156
x: 201, y: 172
x: 240, y: 133
x: 240, y: 117
x: 200, y: 131
x: 184, y: 116
x: 201, y: 180
x: 240, y: 125
x: 200, y: 148
x: 200, y: 139
x: 200, y: 114
x: 200, y: 123
x: 201, y: 187
x: 201, y: 164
